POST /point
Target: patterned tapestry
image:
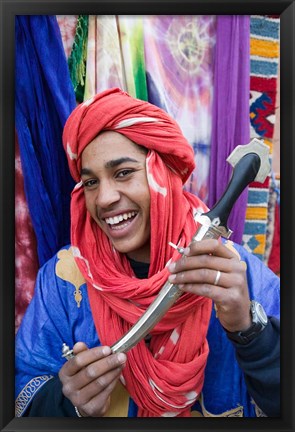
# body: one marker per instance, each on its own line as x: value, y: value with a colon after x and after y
x: 264, y: 63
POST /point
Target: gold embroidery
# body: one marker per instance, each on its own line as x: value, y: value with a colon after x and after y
x: 119, y: 402
x: 28, y: 392
x: 67, y: 269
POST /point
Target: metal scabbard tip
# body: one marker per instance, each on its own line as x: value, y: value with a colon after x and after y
x: 67, y: 352
x: 180, y: 249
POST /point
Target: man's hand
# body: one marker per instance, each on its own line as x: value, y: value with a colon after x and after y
x: 196, y: 272
x: 89, y: 378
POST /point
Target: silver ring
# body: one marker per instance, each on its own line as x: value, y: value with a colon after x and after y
x: 218, y: 274
x: 78, y: 412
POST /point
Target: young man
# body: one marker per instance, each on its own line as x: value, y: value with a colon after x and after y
x: 210, y: 354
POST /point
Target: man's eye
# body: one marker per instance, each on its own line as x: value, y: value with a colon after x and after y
x: 89, y: 183
x: 124, y: 173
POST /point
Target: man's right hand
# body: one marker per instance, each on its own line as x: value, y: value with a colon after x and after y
x: 89, y: 378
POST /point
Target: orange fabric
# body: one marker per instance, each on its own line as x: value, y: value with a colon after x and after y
x: 166, y: 378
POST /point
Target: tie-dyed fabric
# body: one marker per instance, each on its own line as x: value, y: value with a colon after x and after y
x: 60, y: 313
x: 67, y: 25
x: 104, y: 60
x: 179, y: 55
x: 115, y: 56
x: 172, y: 372
x: 133, y: 53
x: 26, y: 259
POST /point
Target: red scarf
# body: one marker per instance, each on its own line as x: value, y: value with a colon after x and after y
x: 166, y: 378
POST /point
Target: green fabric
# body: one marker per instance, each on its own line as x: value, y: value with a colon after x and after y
x: 132, y: 42
x: 78, y: 57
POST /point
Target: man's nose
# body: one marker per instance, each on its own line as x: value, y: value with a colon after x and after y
x: 107, y: 195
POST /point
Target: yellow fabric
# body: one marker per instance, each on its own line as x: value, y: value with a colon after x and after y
x: 256, y: 213
x: 264, y: 48
x: 119, y: 402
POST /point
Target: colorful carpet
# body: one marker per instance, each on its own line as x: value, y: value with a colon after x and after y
x: 264, y: 65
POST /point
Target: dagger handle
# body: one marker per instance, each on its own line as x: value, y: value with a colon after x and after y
x: 243, y: 173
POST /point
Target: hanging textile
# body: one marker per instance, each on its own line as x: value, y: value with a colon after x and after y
x: 67, y: 25
x: 115, y: 55
x: 133, y: 50
x: 44, y: 98
x: 104, y: 67
x: 26, y: 259
x: 78, y: 56
x: 179, y: 69
x: 264, y: 56
x: 230, y: 111
x: 272, y: 246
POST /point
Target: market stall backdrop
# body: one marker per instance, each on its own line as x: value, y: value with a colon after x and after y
x: 218, y: 76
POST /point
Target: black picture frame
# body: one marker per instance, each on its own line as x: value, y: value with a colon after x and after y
x: 10, y: 8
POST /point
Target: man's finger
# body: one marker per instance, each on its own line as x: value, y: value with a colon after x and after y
x: 86, y: 357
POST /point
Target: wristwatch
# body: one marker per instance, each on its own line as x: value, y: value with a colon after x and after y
x: 259, y: 322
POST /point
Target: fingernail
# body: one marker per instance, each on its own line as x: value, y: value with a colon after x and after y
x: 186, y: 251
x: 122, y: 357
x: 171, y: 267
x: 171, y: 278
x: 106, y: 350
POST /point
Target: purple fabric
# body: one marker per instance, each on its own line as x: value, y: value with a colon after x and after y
x: 231, y: 126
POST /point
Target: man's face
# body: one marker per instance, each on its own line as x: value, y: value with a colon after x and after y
x: 117, y: 193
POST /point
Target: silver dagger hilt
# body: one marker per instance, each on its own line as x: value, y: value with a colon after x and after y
x: 250, y: 163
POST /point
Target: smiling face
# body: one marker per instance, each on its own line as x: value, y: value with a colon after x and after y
x: 113, y: 173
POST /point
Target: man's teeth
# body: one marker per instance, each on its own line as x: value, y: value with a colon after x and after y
x: 117, y: 219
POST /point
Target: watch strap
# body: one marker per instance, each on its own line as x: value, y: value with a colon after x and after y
x: 244, y: 337
x: 257, y: 326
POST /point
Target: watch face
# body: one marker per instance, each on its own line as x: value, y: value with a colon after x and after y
x: 262, y: 317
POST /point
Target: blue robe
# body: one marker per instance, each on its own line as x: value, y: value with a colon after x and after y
x: 60, y: 313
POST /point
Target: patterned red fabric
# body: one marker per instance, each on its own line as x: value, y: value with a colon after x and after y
x: 26, y: 258
x: 165, y: 378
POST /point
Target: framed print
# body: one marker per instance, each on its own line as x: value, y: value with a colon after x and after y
x: 13, y: 307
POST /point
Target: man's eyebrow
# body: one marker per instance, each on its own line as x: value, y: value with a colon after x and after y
x: 115, y: 162
x: 110, y: 164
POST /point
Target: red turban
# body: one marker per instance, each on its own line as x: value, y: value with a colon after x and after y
x: 141, y: 122
x: 165, y: 378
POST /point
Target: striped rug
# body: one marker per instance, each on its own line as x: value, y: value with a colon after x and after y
x: 264, y: 66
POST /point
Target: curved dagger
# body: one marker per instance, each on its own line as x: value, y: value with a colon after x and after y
x: 250, y: 163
